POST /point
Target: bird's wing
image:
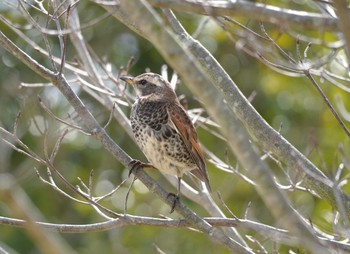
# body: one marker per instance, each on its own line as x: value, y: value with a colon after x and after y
x: 184, y: 126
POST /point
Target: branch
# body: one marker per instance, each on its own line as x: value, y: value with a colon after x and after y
x: 285, y: 18
x: 342, y: 10
x: 259, y: 129
x: 99, y: 133
x: 25, y: 58
x: 202, y: 199
x: 277, y: 235
x: 16, y: 200
x: 133, y: 15
x: 88, y: 63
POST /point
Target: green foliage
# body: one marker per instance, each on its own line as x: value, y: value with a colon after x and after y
x: 289, y: 103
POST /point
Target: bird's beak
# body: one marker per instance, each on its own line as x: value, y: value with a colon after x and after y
x: 127, y: 79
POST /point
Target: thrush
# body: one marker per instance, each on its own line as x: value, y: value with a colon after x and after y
x: 164, y: 131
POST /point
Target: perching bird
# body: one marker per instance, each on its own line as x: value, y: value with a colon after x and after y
x: 164, y: 131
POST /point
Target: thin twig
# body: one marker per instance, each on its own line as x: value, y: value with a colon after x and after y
x: 328, y: 103
x: 76, y: 127
x: 127, y: 195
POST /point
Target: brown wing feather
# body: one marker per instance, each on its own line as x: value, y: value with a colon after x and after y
x: 185, y: 127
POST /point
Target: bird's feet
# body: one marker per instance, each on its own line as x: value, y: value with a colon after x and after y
x: 135, y: 165
x: 175, y: 199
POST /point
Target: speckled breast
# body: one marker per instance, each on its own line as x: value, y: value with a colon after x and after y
x: 158, y: 138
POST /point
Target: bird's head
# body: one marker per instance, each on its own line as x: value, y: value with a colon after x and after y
x: 151, y: 85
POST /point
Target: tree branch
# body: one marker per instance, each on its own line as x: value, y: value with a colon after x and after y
x: 25, y: 58
x: 277, y: 235
x: 175, y: 52
x: 342, y: 11
x: 259, y: 129
x: 96, y: 130
x: 16, y: 200
x: 285, y: 18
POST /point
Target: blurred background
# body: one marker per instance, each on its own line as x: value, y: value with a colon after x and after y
x: 289, y: 104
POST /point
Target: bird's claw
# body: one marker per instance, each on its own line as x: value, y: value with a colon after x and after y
x: 135, y: 165
x: 175, y: 199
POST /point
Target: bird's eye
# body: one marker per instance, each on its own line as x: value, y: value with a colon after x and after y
x: 143, y: 82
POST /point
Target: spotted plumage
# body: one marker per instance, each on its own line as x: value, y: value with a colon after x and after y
x: 163, y: 129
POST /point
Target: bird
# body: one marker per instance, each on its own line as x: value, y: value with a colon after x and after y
x: 164, y: 131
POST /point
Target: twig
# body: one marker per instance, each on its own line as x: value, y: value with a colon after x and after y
x: 329, y: 105
x: 76, y: 127
x: 127, y: 195
x: 252, y: 10
x: 110, y: 117
x: 63, y: 43
x: 61, y: 83
x: 342, y: 10
x: 275, y: 234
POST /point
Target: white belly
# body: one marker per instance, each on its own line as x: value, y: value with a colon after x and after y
x: 157, y: 154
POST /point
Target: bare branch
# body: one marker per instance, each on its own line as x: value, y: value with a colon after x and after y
x: 275, y: 234
x: 257, y: 126
x: 329, y: 105
x: 342, y: 10
x: 253, y: 10
x: 97, y: 131
x: 195, y: 79
x: 263, y: 160
x: 76, y: 127
x: 25, y: 58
